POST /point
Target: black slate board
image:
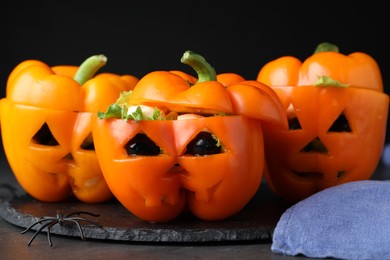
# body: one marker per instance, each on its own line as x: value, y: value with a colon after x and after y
x: 255, y: 222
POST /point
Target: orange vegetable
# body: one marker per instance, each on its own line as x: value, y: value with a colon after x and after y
x: 199, y: 148
x: 337, y: 114
x: 46, y: 127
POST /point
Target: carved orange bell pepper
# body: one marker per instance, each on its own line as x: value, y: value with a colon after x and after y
x: 173, y: 145
x: 337, y: 114
x: 46, y: 127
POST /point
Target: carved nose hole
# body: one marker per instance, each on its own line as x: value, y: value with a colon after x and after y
x: 69, y: 157
x: 176, y: 168
x: 315, y: 145
x: 44, y: 136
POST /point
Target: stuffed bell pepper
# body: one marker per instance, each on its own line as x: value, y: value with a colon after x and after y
x: 337, y: 112
x: 46, y: 127
x: 178, y: 143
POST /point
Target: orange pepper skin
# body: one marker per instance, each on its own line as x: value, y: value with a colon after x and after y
x: 229, y: 78
x: 33, y: 83
x: 52, y: 169
x: 168, y: 90
x: 158, y: 188
x: 257, y: 100
x: 189, y: 78
x: 296, y: 170
x: 100, y: 91
x: 253, y: 99
x: 356, y: 69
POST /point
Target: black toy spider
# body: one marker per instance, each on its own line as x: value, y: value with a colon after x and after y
x: 61, y: 219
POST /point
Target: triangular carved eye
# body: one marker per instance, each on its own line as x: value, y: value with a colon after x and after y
x: 88, y: 143
x: 340, y: 125
x: 44, y: 136
x: 315, y: 146
x: 293, y: 124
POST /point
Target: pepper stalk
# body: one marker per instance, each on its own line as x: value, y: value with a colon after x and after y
x: 204, y: 70
x: 89, y: 68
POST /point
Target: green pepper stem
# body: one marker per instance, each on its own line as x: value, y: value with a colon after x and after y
x: 89, y: 67
x: 326, y: 46
x: 200, y: 65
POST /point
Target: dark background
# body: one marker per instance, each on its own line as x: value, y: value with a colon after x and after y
x: 235, y: 36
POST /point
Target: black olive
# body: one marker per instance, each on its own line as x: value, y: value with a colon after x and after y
x: 142, y: 145
x: 203, y: 144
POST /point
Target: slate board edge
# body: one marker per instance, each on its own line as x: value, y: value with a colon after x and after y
x: 187, y: 235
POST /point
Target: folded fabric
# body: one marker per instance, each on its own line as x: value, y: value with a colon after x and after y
x: 348, y: 221
x: 386, y: 155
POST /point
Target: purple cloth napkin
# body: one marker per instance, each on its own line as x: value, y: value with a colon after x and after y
x: 348, y: 221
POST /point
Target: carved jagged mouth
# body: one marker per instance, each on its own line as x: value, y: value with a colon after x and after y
x: 316, y: 175
x: 153, y: 201
x: 309, y: 175
x: 201, y: 194
x: 205, y: 194
x: 165, y: 199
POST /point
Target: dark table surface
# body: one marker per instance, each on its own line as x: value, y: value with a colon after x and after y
x: 13, y: 244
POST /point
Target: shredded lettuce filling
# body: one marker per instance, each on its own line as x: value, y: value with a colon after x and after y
x: 122, y: 109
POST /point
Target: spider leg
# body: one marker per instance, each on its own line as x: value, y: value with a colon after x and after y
x: 79, y: 227
x: 36, y: 223
x: 86, y: 220
x: 81, y: 212
x: 40, y: 229
x: 48, y: 232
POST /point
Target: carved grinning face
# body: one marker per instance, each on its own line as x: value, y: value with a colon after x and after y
x: 156, y: 169
x: 84, y: 173
x: 335, y: 136
x: 48, y: 162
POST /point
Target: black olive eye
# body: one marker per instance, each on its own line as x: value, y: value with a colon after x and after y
x: 142, y: 145
x: 204, y: 144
